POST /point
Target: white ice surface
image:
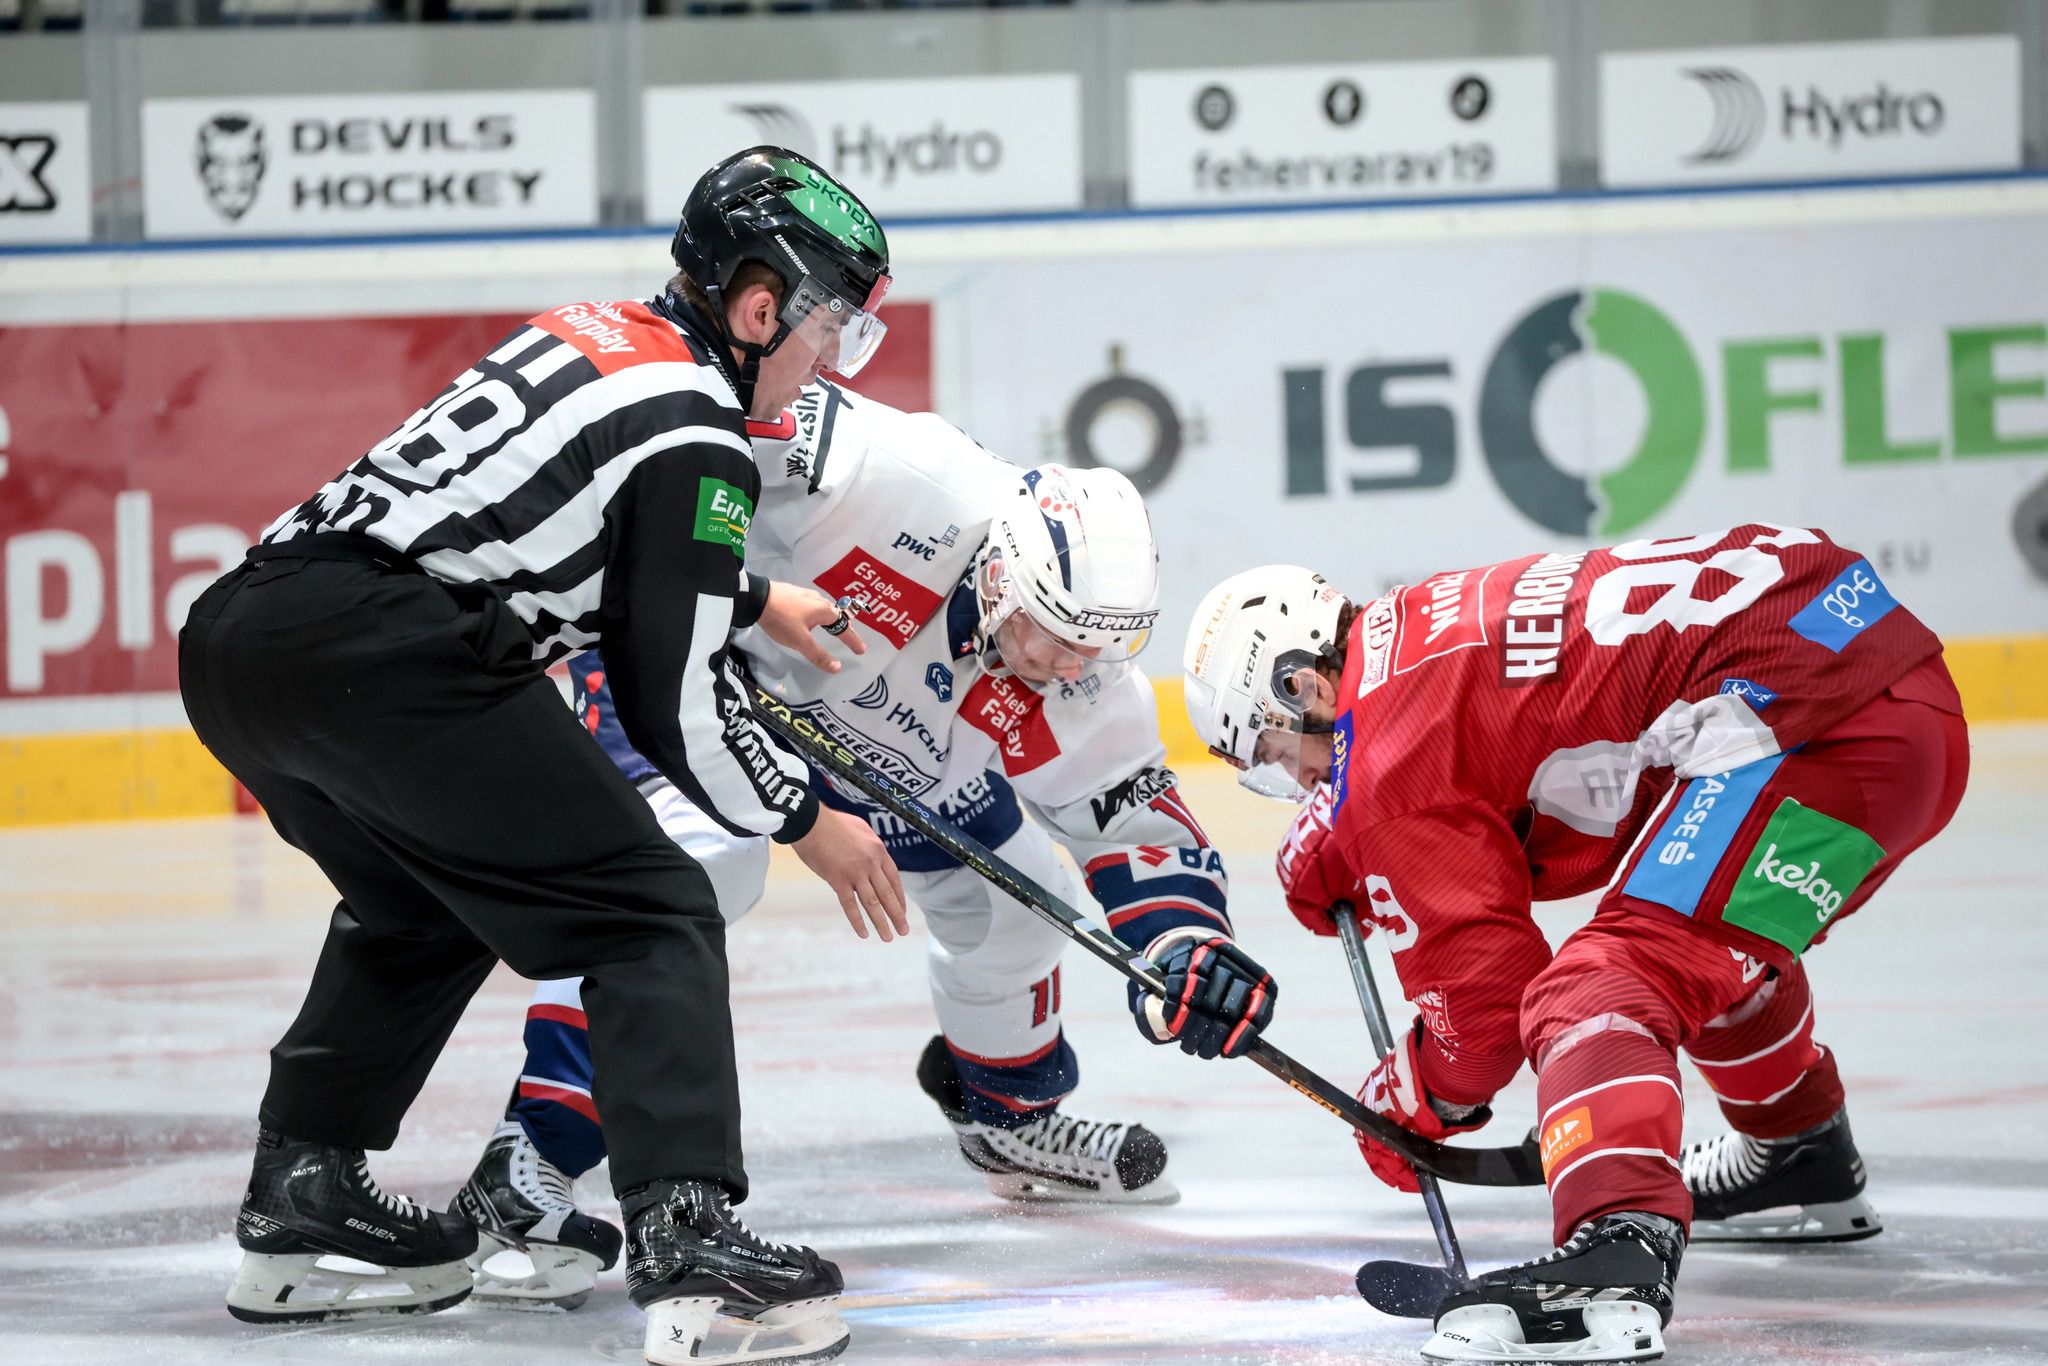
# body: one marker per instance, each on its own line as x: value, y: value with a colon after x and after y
x: 147, y: 968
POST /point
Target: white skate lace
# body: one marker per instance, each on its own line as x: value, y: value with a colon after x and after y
x: 1058, y: 1135
x: 540, y: 1180
x: 1724, y: 1164
x: 399, y: 1205
x: 741, y: 1230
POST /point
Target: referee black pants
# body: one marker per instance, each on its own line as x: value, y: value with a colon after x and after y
x: 397, y: 731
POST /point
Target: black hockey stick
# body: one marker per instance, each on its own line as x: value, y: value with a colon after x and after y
x: 1516, y: 1166
x: 1409, y: 1290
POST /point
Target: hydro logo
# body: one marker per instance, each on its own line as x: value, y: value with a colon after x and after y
x: 1631, y: 331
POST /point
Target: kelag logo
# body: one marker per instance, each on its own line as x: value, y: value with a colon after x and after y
x: 1636, y: 334
x: 1401, y: 419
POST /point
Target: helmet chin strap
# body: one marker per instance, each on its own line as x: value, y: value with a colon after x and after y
x: 994, y: 611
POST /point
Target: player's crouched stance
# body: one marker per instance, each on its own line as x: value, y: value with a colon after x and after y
x: 1755, y: 717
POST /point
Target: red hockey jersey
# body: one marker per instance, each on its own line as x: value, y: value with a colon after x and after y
x: 1506, y: 730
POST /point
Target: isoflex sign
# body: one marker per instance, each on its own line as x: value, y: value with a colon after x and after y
x: 1995, y: 372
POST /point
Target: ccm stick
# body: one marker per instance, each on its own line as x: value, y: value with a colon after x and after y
x: 1517, y: 1166
x: 1409, y: 1290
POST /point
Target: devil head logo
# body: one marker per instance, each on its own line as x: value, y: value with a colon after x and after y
x: 232, y: 161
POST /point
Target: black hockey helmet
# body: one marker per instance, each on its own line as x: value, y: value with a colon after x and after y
x: 771, y: 205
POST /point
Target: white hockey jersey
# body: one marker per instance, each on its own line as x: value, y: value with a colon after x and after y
x: 858, y: 498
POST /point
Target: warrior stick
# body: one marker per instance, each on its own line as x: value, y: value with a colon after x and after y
x: 1517, y: 1166
x: 1404, y: 1289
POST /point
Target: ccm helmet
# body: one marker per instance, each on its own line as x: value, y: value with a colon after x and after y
x: 771, y: 205
x: 1250, y: 636
x: 1072, y: 551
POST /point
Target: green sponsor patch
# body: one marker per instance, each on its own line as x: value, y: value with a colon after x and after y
x: 826, y: 203
x: 723, y: 513
x: 1804, y: 867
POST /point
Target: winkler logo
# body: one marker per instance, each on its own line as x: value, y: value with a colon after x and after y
x: 1738, y: 115
x: 1634, y: 332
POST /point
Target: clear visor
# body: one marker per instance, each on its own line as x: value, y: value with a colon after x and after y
x: 840, y: 334
x: 1286, y: 763
x: 1037, y: 656
x: 1278, y: 761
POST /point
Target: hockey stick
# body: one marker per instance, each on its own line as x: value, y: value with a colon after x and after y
x: 1516, y: 1166
x: 1408, y: 1290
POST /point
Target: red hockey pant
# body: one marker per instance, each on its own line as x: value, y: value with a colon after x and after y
x: 1604, y: 1022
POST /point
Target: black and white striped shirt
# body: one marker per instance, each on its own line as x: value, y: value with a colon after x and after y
x: 594, y: 470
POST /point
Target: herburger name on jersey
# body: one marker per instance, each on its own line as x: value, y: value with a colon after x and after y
x: 1532, y: 636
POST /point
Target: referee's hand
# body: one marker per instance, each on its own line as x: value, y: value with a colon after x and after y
x: 794, y: 612
x: 845, y: 852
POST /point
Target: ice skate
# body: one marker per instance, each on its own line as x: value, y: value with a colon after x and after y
x: 524, y: 1210
x: 1604, y: 1296
x: 1055, y: 1157
x: 309, y: 1204
x: 1803, y: 1189
x: 715, y: 1292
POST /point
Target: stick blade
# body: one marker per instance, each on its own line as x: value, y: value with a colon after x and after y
x: 1406, y: 1290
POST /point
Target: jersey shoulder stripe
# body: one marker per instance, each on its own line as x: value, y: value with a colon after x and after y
x: 613, y: 336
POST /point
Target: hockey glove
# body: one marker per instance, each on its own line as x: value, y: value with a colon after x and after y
x: 1217, y: 999
x: 1313, y: 874
x: 1394, y: 1089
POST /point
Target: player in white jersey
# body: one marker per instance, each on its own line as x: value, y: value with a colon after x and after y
x: 1000, y: 609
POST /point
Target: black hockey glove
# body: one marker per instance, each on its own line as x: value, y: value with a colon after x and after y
x: 1217, y: 999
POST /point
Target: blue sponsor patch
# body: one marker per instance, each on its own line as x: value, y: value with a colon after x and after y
x: 1856, y: 599
x: 1340, y: 762
x: 1680, y: 858
x: 939, y: 679
x: 1756, y: 694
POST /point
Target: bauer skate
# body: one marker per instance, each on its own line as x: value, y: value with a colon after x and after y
x: 1054, y: 1157
x: 523, y: 1208
x: 308, y: 1203
x: 1604, y: 1296
x: 715, y: 1292
x: 1804, y: 1189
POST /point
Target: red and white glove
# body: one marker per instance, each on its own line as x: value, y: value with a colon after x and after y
x: 1313, y: 873
x: 1394, y: 1089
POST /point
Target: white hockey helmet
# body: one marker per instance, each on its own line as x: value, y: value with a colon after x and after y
x: 1251, y: 635
x: 1070, y: 552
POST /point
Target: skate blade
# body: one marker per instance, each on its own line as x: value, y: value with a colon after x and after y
x: 1845, y: 1221
x: 695, y: 1332
x: 555, y: 1276
x: 307, y: 1288
x: 1491, y: 1333
x: 1027, y: 1188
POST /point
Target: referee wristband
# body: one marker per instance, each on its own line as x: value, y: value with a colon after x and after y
x: 751, y: 601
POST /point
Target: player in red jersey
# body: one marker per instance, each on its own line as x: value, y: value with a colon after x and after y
x: 1739, y: 735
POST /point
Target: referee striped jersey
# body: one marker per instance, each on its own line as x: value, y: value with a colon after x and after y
x: 594, y: 470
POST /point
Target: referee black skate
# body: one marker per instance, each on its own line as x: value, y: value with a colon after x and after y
x: 374, y: 675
